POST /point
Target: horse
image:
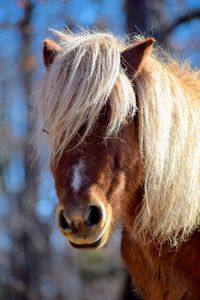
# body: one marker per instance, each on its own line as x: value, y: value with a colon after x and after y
x: 122, y: 123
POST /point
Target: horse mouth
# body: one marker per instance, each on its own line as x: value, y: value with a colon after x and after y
x: 87, y: 246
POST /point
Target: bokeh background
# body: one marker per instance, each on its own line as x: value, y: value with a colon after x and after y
x: 35, y: 261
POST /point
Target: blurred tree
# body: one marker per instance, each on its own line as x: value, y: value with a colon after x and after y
x: 136, y: 16
x: 29, y: 241
x: 150, y: 17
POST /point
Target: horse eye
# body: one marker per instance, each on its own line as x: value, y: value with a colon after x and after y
x: 44, y: 130
x: 82, y: 130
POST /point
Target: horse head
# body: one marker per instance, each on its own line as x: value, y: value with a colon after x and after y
x: 94, y: 172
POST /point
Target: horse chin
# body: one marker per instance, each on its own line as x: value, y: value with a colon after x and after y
x: 99, y: 243
x: 96, y: 244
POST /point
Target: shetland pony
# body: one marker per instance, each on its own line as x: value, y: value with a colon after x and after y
x: 123, y: 124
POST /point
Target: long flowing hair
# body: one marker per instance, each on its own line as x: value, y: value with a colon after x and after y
x: 169, y: 134
x: 77, y: 86
x: 85, y: 74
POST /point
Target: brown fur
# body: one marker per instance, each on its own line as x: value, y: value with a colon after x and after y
x: 50, y: 50
x: 167, y: 275
x: 134, y: 57
x: 115, y: 179
x: 156, y: 275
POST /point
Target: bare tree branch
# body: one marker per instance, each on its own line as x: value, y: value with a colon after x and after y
x: 181, y: 20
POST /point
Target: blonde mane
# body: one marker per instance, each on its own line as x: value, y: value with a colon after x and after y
x: 78, y: 84
x: 169, y: 105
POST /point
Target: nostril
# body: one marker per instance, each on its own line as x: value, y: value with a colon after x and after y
x: 62, y: 221
x: 95, y: 215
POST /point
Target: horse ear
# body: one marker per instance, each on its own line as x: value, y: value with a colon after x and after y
x: 134, y: 57
x: 50, y: 50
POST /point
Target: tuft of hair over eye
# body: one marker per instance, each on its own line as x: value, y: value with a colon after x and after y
x: 86, y: 74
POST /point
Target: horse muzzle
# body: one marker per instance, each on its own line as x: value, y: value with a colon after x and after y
x: 85, y: 228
